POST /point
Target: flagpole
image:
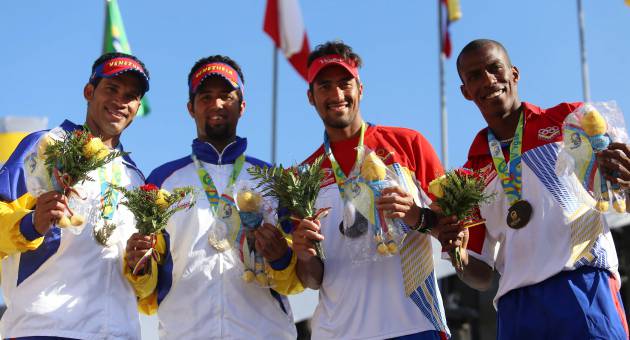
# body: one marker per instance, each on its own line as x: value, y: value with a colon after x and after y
x: 586, y: 91
x: 274, y: 102
x: 443, y: 113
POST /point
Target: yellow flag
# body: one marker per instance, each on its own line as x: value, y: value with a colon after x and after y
x: 455, y: 11
x: 13, y: 129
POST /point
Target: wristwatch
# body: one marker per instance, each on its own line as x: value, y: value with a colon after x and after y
x: 426, y: 220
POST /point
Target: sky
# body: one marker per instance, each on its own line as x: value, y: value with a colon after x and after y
x: 49, y: 47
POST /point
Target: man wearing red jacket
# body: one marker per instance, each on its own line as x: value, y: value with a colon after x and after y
x: 392, y: 297
x: 555, y: 255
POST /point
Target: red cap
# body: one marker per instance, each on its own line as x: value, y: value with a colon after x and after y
x: 328, y: 60
x: 223, y: 70
x: 119, y: 65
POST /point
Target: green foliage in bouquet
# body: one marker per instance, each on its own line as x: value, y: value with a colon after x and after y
x: 295, y: 188
x: 153, y: 207
x: 458, y: 192
x: 78, y: 153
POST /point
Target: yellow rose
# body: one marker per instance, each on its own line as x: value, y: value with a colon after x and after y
x: 373, y: 169
x: 102, y: 153
x: 93, y: 147
x: 435, y: 187
x: 593, y: 122
x: 44, y: 143
x: 162, y: 196
x: 248, y: 201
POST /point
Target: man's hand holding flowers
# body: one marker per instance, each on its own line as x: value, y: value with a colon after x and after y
x: 49, y: 207
x: 137, y: 246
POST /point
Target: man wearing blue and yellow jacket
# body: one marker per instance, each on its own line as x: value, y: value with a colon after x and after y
x: 195, y: 284
x: 59, y: 284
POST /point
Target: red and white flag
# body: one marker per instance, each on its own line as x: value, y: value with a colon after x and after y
x: 284, y: 24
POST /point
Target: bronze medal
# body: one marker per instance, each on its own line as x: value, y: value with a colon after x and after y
x: 519, y: 214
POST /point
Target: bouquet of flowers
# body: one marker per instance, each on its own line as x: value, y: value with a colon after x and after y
x: 588, y: 130
x: 64, y: 159
x: 459, y: 193
x: 250, y: 211
x: 295, y: 188
x: 152, y: 208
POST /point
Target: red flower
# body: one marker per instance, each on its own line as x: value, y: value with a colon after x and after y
x: 149, y: 187
x: 464, y: 172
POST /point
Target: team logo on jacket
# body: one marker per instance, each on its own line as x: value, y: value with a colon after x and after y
x: 329, y: 178
x: 385, y: 155
x: 487, y: 173
x: 548, y: 133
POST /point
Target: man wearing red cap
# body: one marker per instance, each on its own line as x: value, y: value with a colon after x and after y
x: 197, y: 284
x: 390, y: 297
x: 59, y: 284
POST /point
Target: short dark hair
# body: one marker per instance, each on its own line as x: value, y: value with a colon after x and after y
x: 112, y: 55
x: 477, y: 44
x: 215, y: 59
x: 334, y: 47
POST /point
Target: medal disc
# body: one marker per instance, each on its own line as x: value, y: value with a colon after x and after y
x: 217, y: 236
x: 219, y: 245
x: 353, y: 224
x: 358, y: 228
x: 519, y: 214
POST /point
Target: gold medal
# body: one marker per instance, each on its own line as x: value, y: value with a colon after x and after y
x: 519, y: 214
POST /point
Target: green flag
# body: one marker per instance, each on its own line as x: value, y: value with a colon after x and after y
x: 116, y: 41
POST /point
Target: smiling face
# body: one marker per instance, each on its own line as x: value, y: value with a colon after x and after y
x: 216, y: 109
x: 112, y: 105
x: 336, y: 95
x: 490, y: 80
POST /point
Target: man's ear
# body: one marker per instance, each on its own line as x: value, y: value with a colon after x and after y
x: 360, y: 90
x: 309, y: 94
x: 88, y: 91
x: 190, y: 109
x: 516, y: 74
x: 465, y: 93
x: 243, y: 105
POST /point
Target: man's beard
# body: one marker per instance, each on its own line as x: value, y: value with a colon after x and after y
x: 218, y: 132
x: 339, y: 122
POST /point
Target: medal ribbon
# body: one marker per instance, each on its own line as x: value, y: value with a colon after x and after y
x: 109, y: 202
x: 213, y: 195
x: 340, y: 177
x: 510, y: 174
x: 208, y: 184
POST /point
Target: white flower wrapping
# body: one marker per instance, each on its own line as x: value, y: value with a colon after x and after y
x: 39, y: 181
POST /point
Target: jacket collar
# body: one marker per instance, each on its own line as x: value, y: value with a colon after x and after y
x: 209, y: 154
x: 69, y: 126
x: 480, y: 147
